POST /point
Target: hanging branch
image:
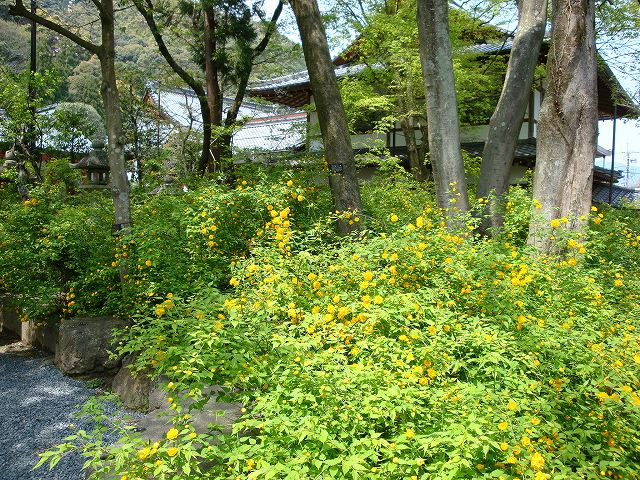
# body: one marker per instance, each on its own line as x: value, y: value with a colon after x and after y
x: 19, y: 10
x: 232, y: 113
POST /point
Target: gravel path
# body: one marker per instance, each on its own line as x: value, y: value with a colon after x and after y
x: 37, y: 406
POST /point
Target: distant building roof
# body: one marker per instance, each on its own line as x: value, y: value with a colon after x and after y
x: 302, y: 78
x: 182, y: 106
x: 620, y: 196
x: 525, y: 149
x: 294, y: 90
x: 275, y: 134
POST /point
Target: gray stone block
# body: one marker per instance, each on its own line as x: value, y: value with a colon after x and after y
x: 84, y: 343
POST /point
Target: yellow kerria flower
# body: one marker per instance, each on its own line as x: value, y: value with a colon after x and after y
x: 172, y: 434
x: 144, y: 453
x: 555, y: 223
x: 393, y: 217
x: 148, y: 263
x: 537, y: 461
x: 512, y: 405
x: 172, y: 451
x: 409, y: 434
x: 503, y: 426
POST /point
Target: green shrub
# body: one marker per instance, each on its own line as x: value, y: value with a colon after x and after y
x: 405, y: 352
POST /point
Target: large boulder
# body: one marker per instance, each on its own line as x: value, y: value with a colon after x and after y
x: 84, y: 344
x: 135, y: 390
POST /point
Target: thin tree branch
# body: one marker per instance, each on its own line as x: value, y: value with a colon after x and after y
x: 147, y: 13
x: 232, y: 113
x: 271, y: 28
x: 19, y: 10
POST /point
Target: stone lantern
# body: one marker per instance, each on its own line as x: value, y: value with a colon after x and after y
x: 94, y: 167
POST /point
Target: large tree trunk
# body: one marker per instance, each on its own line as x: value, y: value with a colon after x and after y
x: 333, y: 122
x: 111, y: 99
x: 442, y: 110
x: 206, y: 157
x: 568, y: 123
x: 214, y: 94
x: 506, y: 121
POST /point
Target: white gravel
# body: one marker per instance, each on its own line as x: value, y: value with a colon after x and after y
x: 37, y: 407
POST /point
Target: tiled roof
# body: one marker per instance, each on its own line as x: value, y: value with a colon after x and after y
x: 302, y: 78
x: 620, y: 196
x: 273, y: 134
x: 286, y: 89
x: 525, y: 149
x: 182, y: 106
x: 503, y: 47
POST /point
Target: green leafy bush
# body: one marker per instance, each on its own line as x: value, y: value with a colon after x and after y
x: 408, y: 353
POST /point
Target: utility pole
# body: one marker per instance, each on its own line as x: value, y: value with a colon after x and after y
x: 613, y: 150
x: 628, y: 161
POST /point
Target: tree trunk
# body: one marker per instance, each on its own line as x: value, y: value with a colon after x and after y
x: 442, y: 111
x: 506, y: 121
x: 331, y: 116
x: 568, y: 123
x: 146, y: 10
x: 109, y: 90
x: 415, y: 161
x: 214, y: 94
x: 206, y: 157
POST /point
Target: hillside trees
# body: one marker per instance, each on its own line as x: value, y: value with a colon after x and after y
x: 105, y: 51
x: 331, y: 115
x: 223, y: 36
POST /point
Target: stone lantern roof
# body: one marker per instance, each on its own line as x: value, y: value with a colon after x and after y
x: 96, y: 160
x: 95, y: 167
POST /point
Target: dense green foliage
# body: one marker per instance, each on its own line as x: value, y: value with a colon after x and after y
x: 405, y: 352
x: 391, y: 87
